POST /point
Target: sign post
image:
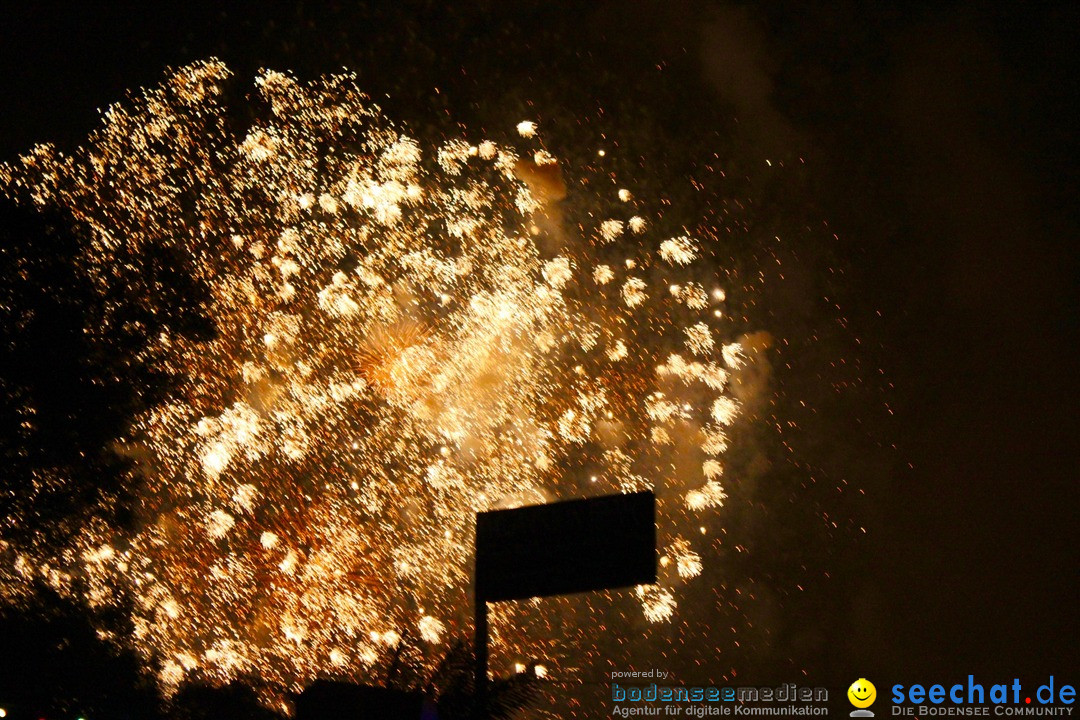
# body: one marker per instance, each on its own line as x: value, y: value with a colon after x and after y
x: 557, y: 549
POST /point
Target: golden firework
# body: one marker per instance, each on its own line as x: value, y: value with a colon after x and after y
x: 397, y: 347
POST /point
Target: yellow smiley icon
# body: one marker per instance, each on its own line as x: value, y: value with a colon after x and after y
x: 862, y: 693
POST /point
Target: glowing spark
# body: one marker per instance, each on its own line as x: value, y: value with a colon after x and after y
x: 633, y: 292
x: 431, y: 630
x: 724, y: 410
x: 710, y: 495
x: 688, y: 562
x: 603, y: 274
x: 733, y: 355
x: 659, y: 604
x: 694, y: 296
x: 679, y: 251
x: 219, y: 524
x: 611, y: 229
x: 543, y: 157
x: 699, y: 339
x: 557, y: 272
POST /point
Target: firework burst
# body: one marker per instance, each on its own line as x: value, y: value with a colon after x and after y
x: 404, y: 337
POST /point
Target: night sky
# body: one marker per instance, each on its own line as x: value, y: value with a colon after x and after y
x: 928, y: 225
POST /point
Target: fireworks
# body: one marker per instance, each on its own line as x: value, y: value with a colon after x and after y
x: 397, y: 347
x: 678, y: 251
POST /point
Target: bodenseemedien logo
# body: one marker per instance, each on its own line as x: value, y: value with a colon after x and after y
x: 862, y: 694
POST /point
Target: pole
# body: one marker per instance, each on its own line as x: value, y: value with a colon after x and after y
x: 481, y: 668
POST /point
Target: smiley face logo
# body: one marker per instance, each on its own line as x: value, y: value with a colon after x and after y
x: 862, y: 693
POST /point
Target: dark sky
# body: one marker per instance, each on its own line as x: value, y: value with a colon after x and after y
x: 938, y: 142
